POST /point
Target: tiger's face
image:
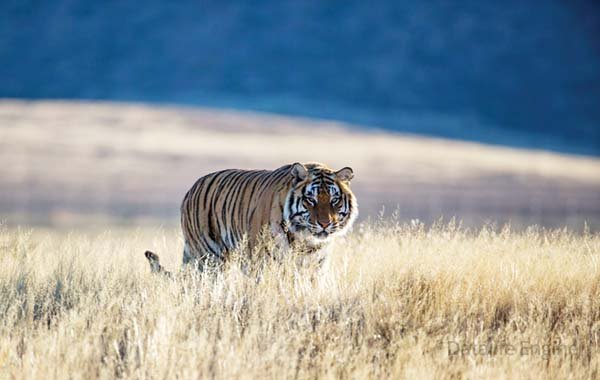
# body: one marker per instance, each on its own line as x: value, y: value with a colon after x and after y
x: 320, y: 204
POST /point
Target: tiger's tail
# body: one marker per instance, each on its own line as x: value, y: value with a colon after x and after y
x: 155, y: 266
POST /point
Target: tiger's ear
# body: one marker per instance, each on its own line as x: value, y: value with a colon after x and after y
x: 299, y: 172
x: 345, y: 174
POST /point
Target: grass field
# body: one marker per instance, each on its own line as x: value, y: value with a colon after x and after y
x: 398, y: 300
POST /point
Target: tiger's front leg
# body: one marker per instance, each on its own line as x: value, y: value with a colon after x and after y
x: 282, y: 246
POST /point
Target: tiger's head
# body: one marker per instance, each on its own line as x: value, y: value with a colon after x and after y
x: 320, y: 204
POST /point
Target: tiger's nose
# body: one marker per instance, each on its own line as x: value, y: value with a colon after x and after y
x: 324, y: 224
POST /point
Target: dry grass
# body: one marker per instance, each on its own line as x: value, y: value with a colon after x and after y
x: 395, y: 300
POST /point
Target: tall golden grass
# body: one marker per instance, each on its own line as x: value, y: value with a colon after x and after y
x: 397, y: 301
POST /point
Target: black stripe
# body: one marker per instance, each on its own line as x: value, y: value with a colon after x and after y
x: 272, y: 179
x: 265, y: 184
x: 246, y: 185
x: 291, y: 202
x: 199, y: 247
x: 187, y: 220
x: 252, y: 201
x: 211, y: 219
x: 208, y: 210
x: 297, y: 212
x: 236, y: 224
x: 221, y: 225
x: 209, y: 185
x: 298, y: 203
x: 229, y: 204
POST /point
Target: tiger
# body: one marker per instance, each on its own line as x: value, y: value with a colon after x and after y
x: 300, y: 205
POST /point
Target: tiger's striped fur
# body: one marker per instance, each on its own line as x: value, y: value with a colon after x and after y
x: 300, y: 204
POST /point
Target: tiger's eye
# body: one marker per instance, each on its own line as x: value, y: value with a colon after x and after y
x: 309, y: 200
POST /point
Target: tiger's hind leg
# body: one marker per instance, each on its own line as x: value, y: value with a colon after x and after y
x: 199, y: 261
x: 187, y: 255
x: 189, y: 261
x: 155, y: 266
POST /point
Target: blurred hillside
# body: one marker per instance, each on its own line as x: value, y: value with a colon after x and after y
x: 67, y: 164
x: 523, y: 74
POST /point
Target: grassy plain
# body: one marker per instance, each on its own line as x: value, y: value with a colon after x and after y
x: 398, y: 301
